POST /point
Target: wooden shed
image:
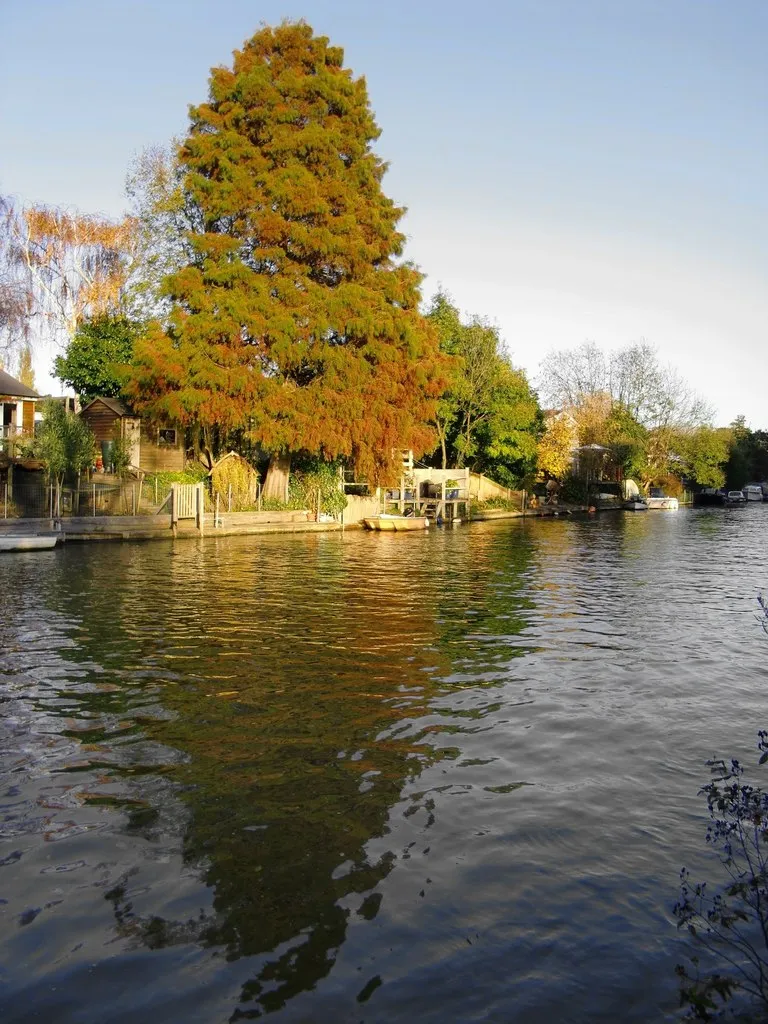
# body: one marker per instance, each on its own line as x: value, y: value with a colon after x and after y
x: 155, y: 449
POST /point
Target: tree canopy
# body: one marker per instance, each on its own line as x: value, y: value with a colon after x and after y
x: 293, y: 318
x: 632, y: 377
x: 94, y: 362
x: 747, y: 453
x: 643, y: 412
x: 488, y: 418
x: 59, y: 267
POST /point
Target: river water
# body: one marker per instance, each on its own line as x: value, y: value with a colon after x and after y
x: 381, y: 778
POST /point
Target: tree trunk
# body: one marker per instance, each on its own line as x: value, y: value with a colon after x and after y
x: 276, y: 482
x: 441, y: 433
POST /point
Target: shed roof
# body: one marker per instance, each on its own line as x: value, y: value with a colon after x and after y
x: 117, y: 407
x: 14, y: 388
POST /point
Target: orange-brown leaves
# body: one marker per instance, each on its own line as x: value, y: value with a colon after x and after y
x: 293, y: 320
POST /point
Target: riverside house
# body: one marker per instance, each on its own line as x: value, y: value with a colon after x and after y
x: 17, y: 410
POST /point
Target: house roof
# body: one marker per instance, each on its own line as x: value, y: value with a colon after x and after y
x: 117, y: 407
x: 14, y: 388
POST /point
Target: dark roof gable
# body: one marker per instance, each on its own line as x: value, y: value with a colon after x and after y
x: 117, y: 407
x: 14, y: 388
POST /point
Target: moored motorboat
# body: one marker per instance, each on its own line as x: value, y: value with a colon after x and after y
x: 27, y: 542
x: 753, y: 492
x: 710, y: 496
x: 635, y: 505
x: 396, y: 523
x: 735, y: 499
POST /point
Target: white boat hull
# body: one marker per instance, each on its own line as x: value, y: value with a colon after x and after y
x: 668, y: 503
x: 26, y: 543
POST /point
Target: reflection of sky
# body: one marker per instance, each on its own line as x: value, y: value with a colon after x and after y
x: 572, y: 171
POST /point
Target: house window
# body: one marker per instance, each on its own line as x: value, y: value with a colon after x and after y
x: 167, y: 436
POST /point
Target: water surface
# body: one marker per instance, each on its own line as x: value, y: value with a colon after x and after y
x: 380, y: 778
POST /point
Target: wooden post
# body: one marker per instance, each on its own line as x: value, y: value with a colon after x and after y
x: 524, y: 497
x: 229, y: 498
x: 93, y: 499
x: 200, y: 509
x: 174, y: 508
x: 317, y: 514
x: 216, y: 520
x: 155, y: 490
x: 258, y: 498
x: 6, y: 500
x: 133, y: 496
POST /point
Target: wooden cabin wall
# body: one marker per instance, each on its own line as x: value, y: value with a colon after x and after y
x: 102, y: 420
x: 28, y: 417
x: 160, y: 458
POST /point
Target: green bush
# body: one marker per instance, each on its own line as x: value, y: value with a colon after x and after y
x: 311, y: 477
x: 193, y: 474
x: 574, y: 490
x: 502, y: 504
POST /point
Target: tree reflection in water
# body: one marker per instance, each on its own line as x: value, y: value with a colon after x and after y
x: 294, y: 676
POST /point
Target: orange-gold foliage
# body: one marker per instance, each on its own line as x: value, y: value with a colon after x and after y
x: 293, y: 320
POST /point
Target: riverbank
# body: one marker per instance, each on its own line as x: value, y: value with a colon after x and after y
x: 159, y: 527
x: 540, y: 512
x: 228, y: 524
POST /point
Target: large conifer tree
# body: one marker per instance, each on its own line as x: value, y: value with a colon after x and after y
x: 293, y: 319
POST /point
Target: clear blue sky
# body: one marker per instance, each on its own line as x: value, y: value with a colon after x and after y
x: 573, y: 169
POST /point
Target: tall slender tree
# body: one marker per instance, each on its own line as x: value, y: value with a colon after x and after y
x: 26, y: 372
x: 294, y: 318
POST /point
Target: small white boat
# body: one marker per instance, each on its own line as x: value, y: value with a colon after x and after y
x: 662, y: 501
x: 635, y: 505
x: 397, y: 523
x: 27, y: 542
